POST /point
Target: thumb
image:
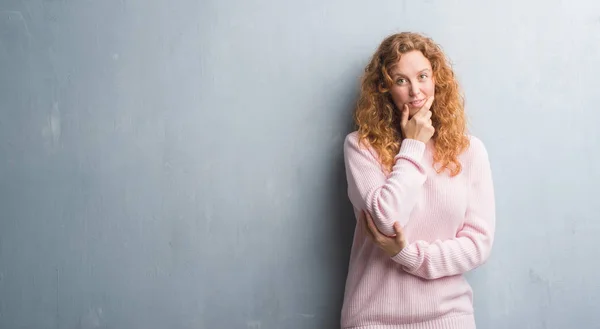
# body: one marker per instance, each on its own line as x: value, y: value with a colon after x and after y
x: 404, y: 119
x: 399, y: 235
x: 397, y: 229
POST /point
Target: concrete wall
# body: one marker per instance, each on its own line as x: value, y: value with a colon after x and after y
x: 178, y: 164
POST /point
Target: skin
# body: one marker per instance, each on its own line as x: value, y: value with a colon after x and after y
x: 413, y: 94
x: 392, y: 245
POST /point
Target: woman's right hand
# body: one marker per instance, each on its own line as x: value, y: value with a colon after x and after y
x: 419, y: 127
x: 392, y: 245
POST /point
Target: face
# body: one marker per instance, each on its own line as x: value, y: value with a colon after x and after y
x: 413, y: 81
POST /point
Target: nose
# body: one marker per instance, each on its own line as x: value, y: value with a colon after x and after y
x: 414, y: 90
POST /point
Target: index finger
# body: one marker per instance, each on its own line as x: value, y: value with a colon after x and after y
x: 374, y: 230
x: 425, y: 108
x: 370, y: 223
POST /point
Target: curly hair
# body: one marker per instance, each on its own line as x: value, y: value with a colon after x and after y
x: 378, y: 119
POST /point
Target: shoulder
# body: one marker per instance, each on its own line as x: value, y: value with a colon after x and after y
x: 351, y: 137
x: 476, y: 154
x: 476, y: 146
x: 354, y: 146
x: 351, y: 142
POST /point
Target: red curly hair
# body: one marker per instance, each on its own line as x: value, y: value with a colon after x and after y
x: 378, y: 119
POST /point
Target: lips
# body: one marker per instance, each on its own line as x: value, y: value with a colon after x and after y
x: 417, y: 103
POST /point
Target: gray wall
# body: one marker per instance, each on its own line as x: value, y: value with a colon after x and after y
x: 178, y: 164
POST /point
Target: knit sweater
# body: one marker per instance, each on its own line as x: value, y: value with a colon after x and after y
x: 448, y: 223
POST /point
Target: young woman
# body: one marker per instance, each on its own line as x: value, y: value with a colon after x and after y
x: 422, y: 192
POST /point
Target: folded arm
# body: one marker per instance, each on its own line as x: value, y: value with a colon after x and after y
x: 387, y: 199
x: 473, y: 243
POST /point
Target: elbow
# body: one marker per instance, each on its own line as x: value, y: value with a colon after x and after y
x: 384, y: 223
x: 387, y: 206
x: 387, y: 229
x: 484, y: 251
x: 481, y: 242
x: 384, y: 218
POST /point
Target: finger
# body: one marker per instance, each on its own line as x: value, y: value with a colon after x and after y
x: 371, y: 225
x: 366, y: 228
x: 399, y: 233
x: 366, y: 224
x: 428, y: 103
x: 404, y: 119
x: 397, y: 229
x: 424, y: 110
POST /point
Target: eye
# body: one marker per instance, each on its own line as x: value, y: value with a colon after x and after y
x: 400, y: 81
x: 423, y: 76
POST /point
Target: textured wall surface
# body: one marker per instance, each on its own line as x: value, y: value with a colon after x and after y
x: 178, y: 164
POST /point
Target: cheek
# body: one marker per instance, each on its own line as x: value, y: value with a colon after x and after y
x: 399, y: 97
x: 431, y: 88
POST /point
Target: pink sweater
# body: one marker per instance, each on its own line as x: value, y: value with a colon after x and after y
x: 449, y: 226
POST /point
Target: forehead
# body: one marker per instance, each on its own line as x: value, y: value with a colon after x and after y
x: 412, y: 62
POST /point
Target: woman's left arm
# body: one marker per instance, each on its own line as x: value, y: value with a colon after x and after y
x: 473, y: 243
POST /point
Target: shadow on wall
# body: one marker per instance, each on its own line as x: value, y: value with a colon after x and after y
x: 310, y: 294
x: 342, y: 221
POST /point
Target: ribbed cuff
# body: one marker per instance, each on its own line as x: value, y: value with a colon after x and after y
x: 408, y: 257
x: 411, y: 149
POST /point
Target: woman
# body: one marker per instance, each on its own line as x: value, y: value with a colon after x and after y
x: 422, y: 193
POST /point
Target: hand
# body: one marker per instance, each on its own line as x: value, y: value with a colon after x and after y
x: 391, y: 245
x: 419, y: 127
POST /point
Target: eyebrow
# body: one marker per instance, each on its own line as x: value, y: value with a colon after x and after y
x: 395, y: 75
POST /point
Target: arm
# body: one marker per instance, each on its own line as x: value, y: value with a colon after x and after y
x: 386, y: 199
x: 473, y: 243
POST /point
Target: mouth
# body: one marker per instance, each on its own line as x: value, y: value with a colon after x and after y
x: 417, y: 103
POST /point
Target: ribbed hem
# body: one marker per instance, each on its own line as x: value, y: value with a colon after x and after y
x: 453, y: 322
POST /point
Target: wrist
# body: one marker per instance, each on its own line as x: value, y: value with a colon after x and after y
x: 393, y: 252
x: 411, y: 148
x: 407, y: 257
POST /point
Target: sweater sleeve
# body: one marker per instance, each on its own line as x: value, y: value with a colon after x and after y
x: 473, y: 242
x: 387, y: 198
